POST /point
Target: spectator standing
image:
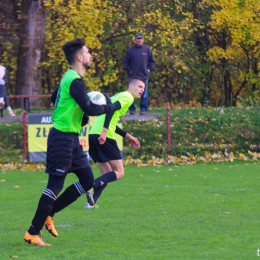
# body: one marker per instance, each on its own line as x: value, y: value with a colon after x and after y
x: 3, y: 97
x: 139, y: 62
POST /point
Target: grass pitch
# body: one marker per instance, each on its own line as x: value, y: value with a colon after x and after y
x: 186, y: 212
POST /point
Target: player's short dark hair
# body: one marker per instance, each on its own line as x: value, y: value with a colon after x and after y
x: 71, y: 49
x: 134, y: 79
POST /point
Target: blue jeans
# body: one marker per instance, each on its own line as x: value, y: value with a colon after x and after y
x: 144, y: 100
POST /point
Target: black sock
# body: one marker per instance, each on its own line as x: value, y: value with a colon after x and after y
x: 105, y: 179
x: 67, y: 197
x: 44, y: 207
x: 98, y: 191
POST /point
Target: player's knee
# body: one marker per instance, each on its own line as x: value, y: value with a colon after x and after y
x: 120, y: 174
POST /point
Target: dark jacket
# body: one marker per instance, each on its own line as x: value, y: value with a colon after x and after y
x: 138, y: 60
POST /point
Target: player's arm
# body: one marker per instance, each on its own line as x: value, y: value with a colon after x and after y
x: 126, y: 135
x: 85, y: 119
x: 102, y: 138
x: 53, y: 99
x: 78, y: 92
x: 120, y: 132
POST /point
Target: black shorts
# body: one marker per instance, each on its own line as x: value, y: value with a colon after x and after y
x: 103, y: 152
x: 64, y: 153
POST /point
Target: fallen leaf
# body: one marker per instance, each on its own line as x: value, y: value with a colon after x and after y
x: 141, y: 175
x: 216, y: 168
x: 217, y: 194
x: 3, y: 180
x: 17, y: 186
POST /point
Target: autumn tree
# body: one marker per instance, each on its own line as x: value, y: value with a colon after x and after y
x: 236, y: 49
x: 205, y: 50
x: 31, y: 48
x: 9, y: 29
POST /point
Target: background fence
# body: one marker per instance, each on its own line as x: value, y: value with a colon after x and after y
x: 232, y: 132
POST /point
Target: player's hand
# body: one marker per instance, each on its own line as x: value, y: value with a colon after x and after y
x: 135, y: 142
x: 108, y: 99
x: 103, y: 137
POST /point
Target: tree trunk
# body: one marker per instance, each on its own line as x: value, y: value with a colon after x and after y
x: 225, y: 70
x: 256, y: 73
x: 31, y: 49
x: 230, y: 89
x: 226, y: 89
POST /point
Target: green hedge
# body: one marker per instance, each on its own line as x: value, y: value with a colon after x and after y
x: 194, y: 131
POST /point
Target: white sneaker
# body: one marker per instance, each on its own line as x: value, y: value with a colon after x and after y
x: 10, y: 111
x: 87, y: 206
x: 12, y: 114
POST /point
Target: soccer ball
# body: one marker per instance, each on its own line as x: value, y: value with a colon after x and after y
x: 97, y: 98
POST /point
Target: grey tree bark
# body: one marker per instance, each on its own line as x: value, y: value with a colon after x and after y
x: 31, y: 50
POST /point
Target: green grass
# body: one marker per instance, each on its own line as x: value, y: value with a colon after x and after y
x: 187, y: 212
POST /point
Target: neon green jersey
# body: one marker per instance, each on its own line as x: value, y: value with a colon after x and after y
x: 126, y: 100
x: 67, y: 116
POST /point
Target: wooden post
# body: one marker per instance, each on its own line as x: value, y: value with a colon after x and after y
x: 169, y: 129
x: 24, y: 135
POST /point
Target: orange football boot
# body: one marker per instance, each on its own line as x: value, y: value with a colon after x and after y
x: 36, y: 239
x: 49, y: 224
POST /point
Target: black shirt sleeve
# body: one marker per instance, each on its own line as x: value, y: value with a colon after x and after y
x: 109, y: 115
x: 120, y: 131
x: 85, y: 119
x: 78, y: 92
